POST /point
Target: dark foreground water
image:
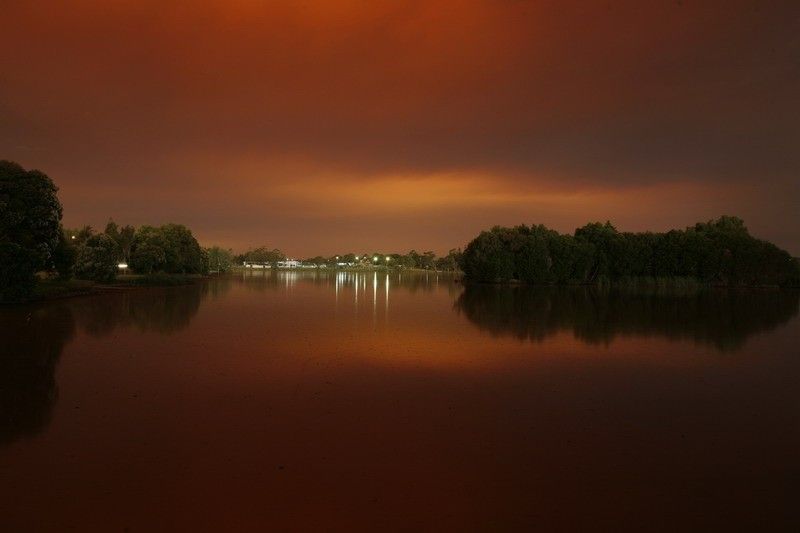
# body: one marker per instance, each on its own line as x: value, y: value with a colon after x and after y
x: 365, y: 402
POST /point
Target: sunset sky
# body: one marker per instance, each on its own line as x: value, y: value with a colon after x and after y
x: 325, y: 127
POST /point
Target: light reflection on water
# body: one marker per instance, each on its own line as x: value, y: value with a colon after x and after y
x: 353, y: 400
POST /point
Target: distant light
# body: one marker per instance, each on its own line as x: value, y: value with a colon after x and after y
x: 375, y: 258
x: 387, y: 257
x: 73, y: 237
x: 122, y: 266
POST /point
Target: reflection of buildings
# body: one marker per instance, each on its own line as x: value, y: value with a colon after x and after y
x: 362, y: 290
x: 722, y: 318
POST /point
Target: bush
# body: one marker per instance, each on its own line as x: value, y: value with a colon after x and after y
x: 64, y: 257
x: 488, y: 257
x: 170, y: 248
x: 97, y: 259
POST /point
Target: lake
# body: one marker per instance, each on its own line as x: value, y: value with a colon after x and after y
x: 307, y: 402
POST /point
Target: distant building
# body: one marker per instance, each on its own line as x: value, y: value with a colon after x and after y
x: 256, y: 264
x: 289, y: 263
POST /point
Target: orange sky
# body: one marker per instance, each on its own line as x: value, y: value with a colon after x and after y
x: 323, y: 127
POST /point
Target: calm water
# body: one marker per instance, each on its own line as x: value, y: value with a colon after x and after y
x: 292, y: 401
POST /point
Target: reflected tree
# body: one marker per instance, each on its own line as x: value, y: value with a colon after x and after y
x: 160, y: 310
x: 31, y: 342
x: 32, y: 339
x: 722, y: 318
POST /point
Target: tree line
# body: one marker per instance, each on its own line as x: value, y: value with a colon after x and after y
x: 718, y: 252
x: 170, y: 249
x: 33, y: 240
x: 413, y: 259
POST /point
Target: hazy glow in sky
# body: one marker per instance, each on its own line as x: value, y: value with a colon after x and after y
x: 323, y: 127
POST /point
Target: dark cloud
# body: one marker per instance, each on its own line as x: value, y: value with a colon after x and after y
x: 149, y: 105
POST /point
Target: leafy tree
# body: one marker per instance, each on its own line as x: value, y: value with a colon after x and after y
x: 123, y: 237
x: 183, y: 253
x: 451, y: 261
x: 219, y: 259
x: 488, y: 257
x: 30, y: 217
x: 149, y: 250
x: 608, y: 244
x: 264, y: 254
x: 170, y: 248
x: 64, y: 256
x: 147, y: 256
x: 427, y: 260
x: 97, y: 259
x: 80, y: 235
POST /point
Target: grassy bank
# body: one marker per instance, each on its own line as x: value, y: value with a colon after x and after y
x: 51, y: 289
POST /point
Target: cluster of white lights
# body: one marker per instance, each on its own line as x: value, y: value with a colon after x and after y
x: 374, y: 258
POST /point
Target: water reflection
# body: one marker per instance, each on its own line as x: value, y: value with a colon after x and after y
x: 32, y: 339
x: 276, y: 388
x: 359, y: 282
x: 30, y: 347
x: 724, y: 319
x: 162, y: 311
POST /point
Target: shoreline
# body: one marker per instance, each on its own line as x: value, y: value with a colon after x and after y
x: 55, y: 289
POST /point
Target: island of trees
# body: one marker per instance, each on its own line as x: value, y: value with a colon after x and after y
x: 720, y: 252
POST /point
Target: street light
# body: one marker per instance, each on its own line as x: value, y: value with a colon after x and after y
x: 375, y: 259
x: 387, y: 258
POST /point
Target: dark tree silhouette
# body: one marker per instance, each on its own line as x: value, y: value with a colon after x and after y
x: 719, y: 252
x: 30, y: 228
